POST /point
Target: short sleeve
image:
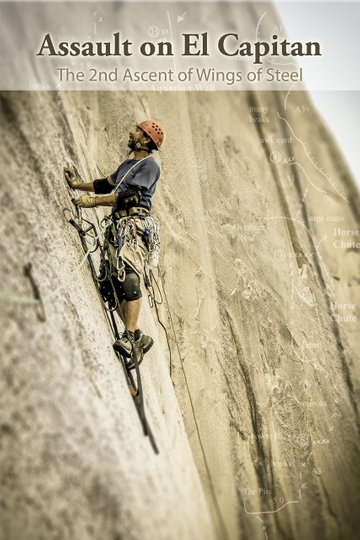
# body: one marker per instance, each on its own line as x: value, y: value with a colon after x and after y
x: 147, y: 174
x: 113, y: 176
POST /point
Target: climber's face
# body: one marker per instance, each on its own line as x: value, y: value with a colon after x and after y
x: 135, y: 136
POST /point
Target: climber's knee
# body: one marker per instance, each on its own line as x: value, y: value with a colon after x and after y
x: 131, y: 286
x: 119, y: 289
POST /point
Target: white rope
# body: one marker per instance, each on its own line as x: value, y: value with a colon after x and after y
x: 17, y: 300
x: 131, y: 168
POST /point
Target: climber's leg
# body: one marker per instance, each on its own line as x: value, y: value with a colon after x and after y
x: 132, y: 312
x: 130, y: 307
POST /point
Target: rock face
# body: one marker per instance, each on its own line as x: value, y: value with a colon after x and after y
x: 255, y: 411
x: 75, y: 462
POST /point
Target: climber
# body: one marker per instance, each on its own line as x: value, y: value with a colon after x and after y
x: 129, y: 191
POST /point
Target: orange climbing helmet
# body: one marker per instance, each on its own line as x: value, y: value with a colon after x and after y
x: 154, y: 130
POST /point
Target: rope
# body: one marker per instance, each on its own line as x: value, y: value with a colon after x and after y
x: 151, y: 274
x: 67, y: 281
x: 166, y: 334
x: 19, y: 300
x: 212, y: 489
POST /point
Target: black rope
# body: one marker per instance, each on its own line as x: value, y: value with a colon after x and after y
x: 167, y: 337
x: 207, y: 467
x: 148, y: 280
x: 153, y: 302
x: 158, y: 288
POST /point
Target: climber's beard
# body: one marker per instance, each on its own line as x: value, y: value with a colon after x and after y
x: 131, y: 143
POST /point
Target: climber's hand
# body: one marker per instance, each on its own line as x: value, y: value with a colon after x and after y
x: 70, y: 178
x: 85, y: 201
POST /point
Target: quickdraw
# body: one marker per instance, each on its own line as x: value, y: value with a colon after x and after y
x: 120, y: 267
x: 128, y: 233
x: 152, y: 232
x: 82, y: 233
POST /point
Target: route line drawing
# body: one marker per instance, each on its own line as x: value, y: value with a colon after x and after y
x: 312, y: 159
x: 271, y: 511
x: 287, y: 95
x: 313, y: 185
x: 257, y: 38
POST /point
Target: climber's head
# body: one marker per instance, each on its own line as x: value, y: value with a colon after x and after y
x: 148, y: 135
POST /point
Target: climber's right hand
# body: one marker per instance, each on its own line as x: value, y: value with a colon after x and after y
x: 70, y: 178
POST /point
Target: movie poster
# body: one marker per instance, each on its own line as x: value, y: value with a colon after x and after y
x: 180, y: 235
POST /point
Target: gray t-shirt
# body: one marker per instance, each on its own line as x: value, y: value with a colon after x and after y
x: 146, y: 173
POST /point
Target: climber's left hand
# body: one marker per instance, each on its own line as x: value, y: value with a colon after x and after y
x: 85, y: 201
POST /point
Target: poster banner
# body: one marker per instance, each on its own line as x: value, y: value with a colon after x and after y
x: 179, y: 299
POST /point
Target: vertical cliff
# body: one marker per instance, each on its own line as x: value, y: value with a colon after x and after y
x: 261, y: 316
x: 267, y: 273
x: 75, y: 462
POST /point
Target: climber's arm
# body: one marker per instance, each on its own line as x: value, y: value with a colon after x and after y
x: 74, y: 184
x: 122, y: 201
x: 107, y: 200
x: 85, y: 186
x: 104, y: 185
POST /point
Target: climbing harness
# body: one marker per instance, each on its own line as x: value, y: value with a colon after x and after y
x: 139, y: 210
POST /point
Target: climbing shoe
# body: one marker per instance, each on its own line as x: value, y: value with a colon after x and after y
x: 144, y: 341
x: 140, y: 347
x: 124, y: 345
